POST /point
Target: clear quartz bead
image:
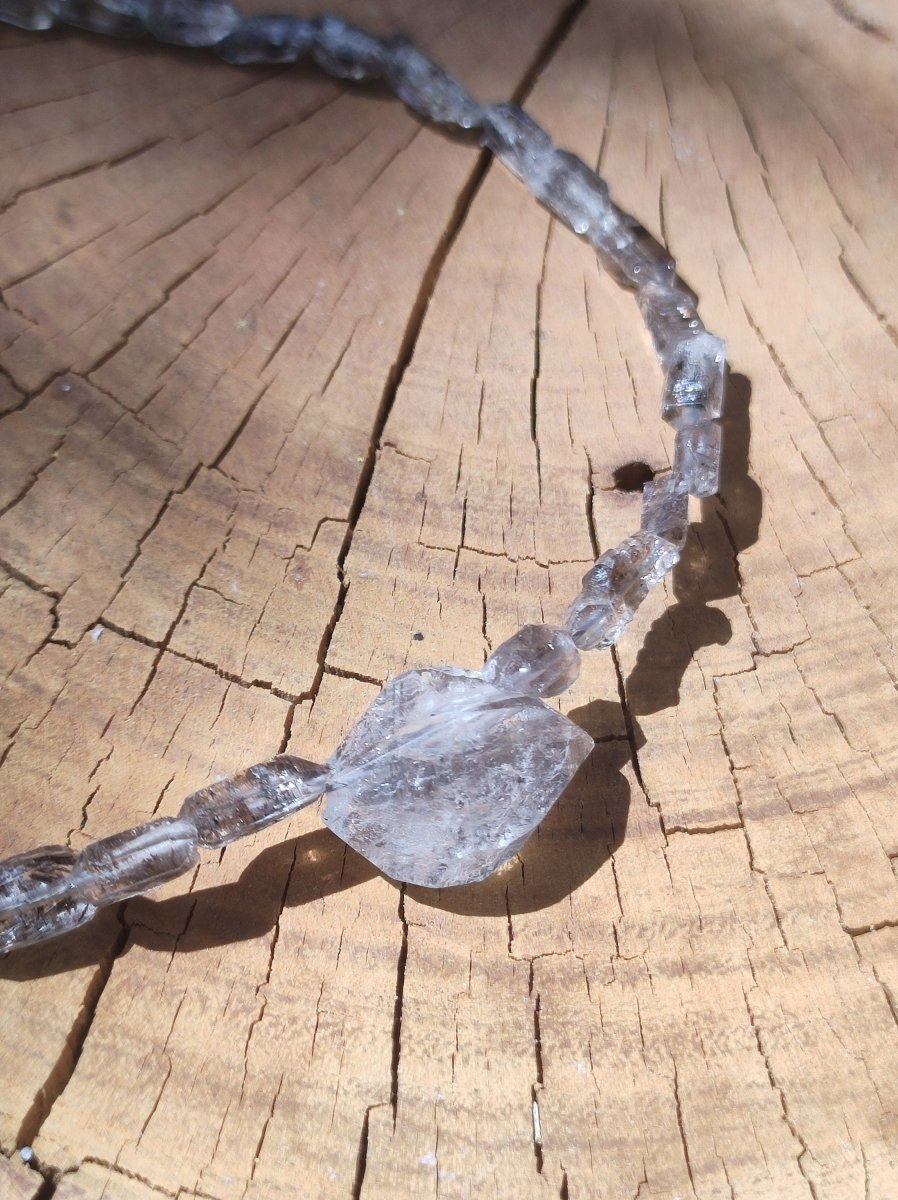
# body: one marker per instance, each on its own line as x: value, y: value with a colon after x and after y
x: 665, y: 508
x: 693, y: 390
x: 183, y: 24
x: 346, y: 51
x: 538, y: 660
x: 267, y: 39
x: 129, y: 863
x: 615, y: 587
x: 573, y: 192
x: 427, y: 89
x: 36, y: 877
x: 522, y: 145
x: 37, y: 922
x: 253, y: 800
x: 697, y: 457
x: 670, y: 316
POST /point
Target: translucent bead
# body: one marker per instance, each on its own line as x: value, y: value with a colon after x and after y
x: 347, y: 52
x: 268, y: 40
x: 36, y: 923
x: 693, y: 390
x: 119, y: 19
x: 538, y: 660
x: 129, y: 863
x: 26, y: 14
x: 183, y: 24
x: 665, y: 508
x: 522, y: 145
x: 260, y: 796
x: 636, y: 258
x: 670, y: 316
x: 427, y: 88
x: 36, y: 877
x: 697, y: 457
x: 615, y: 587
x: 574, y: 192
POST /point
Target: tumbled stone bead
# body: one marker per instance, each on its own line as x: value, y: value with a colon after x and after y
x: 573, y: 192
x: 129, y: 863
x: 260, y: 796
x: 665, y: 508
x: 26, y: 14
x: 267, y: 40
x: 36, y: 877
x: 346, y: 51
x: 427, y: 88
x: 515, y: 138
x: 192, y: 24
x: 697, y: 457
x: 35, y: 923
x: 538, y: 660
x: 693, y: 390
x: 446, y: 776
x: 670, y: 316
x: 615, y: 587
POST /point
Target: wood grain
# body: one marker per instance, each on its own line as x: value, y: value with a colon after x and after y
x: 297, y: 393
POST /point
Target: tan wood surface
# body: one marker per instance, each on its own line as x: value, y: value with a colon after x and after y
x: 299, y: 393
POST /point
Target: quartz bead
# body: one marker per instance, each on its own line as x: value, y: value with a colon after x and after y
x: 35, y: 923
x: 249, y: 802
x: 522, y: 145
x: 693, y: 390
x: 635, y: 258
x: 121, y: 19
x: 183, y: 24
x: 26, y: 14
x: 267, y: 39
x: 615, y: 587
x: 697, y: 457
x: 347, y: 52
x: 446, y: 776
x: 670, y: 316
x: 129, y: 863
x: 538, y: 660
x: 36, y: 877
x: 427, y: 88
x: 665, y: 509
x: 573, y: 192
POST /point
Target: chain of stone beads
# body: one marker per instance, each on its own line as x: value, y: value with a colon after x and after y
x: 51, y: 890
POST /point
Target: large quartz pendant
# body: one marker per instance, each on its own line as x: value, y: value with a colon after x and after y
x: 447, y: 774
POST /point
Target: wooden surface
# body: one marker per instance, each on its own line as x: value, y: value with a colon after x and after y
x: 299, y: 393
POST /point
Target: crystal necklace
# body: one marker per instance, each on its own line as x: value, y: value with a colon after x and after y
x: 450, y: 771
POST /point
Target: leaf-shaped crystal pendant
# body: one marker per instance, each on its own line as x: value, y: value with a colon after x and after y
x: 447, y: 774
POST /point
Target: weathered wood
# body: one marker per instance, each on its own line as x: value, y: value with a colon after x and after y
x: 298, y: 393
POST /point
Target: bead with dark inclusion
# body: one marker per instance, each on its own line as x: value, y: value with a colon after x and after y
x: 36, y: 877
x: 129, y: 863
x: 258, y: 797
x: 538, y: 660
x: 37, y: 922
x: 665, y: 508
x: 693, y: 390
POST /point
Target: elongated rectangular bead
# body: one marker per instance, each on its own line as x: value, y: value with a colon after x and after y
x: 427, y: 88
x: 522, y: 145
x: 346, y: 51
x: 37, y: 922
x: 129, y: 863
x: 36, y: 877
x: 237, y: 807
x: 665, y: 508
x: 267, y: 40
x: 670, y: 316
x: 697, y: 457
x: 693, y: 390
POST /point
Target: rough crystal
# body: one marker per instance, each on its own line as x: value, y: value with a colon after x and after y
x: 35, y: 923
x: 260, y: 796
x: 347, y: 52
x: 192, y: 24
x: 538, y: 660
x: 665, y: 508
x: 427, y: 88
x: 697, y: 457
x: 36, y: 877
x: 615, y: 587
x: 670, y: 316
x: 634, y: 257
x: 446, y: 776
x: 693, y: 390
x: 267, y: 39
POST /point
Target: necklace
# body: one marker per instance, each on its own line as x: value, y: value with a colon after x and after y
x: 450, y: 771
